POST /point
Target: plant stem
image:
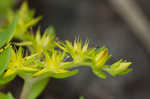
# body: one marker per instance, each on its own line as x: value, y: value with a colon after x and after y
x: 26, y: 89
x: 28, y: 83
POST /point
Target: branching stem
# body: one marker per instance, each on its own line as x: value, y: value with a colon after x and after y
x: 28, y: 83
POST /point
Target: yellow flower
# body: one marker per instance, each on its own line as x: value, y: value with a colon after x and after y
x: 78, y: 51
x: 44, y: 42
x: 53, y: 66
x: 17, y: 63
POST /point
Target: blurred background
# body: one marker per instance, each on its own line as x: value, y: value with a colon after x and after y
x: 120, y: 25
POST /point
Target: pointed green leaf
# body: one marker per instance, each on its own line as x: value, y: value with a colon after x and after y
x: 126, y: 72
x: 100, y: 73
x: 5, y: 80
x: 65, y: 75
x: 38, y: 88
x: 6, y: 36
x: 4, y: 59
x: 32, y: 22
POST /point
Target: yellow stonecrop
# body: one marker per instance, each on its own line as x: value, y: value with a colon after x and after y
x: 25, y: 21
x: 78, y: 51
x: 92, y: 57
x: 42, y: 43
x: 18, y: 63
x: 44, y: 59
x: 53, y: 64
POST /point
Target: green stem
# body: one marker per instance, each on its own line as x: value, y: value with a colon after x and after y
x: 26, y: 89
x: 28, y: 83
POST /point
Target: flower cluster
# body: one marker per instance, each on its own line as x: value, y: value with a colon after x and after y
x: 45, y: 57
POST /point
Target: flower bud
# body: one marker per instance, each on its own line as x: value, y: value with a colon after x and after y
x: 101, y: 57
x: 119, y: 68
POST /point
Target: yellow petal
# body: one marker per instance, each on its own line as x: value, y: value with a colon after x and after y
x: 41, y: 72
x: 69, y: 44
x: 9, y: 72
x: 27, y: 69
x: 61, y: 47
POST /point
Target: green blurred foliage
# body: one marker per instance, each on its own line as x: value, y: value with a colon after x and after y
x: 6, y: 96
x: 5, y: 7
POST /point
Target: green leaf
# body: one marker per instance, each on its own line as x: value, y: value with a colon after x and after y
x: 37, y: 88
x: 4, y: 80
x: 6, y: 96
x: 6, y: 36
x: 65, y: 75
x: 4, y: 59
x: 99, y: 73
x: 126, y: 71
x: 32, y: 22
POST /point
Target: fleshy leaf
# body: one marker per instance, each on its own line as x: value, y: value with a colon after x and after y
x: 65, y: 75
x: 100, y: 73
x: 6, y: 36
x: 4, y: 59
x: 5, y: 80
